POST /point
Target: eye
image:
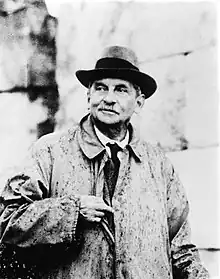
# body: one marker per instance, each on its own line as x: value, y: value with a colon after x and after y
x: 122, y: 89
x: 100, y: 87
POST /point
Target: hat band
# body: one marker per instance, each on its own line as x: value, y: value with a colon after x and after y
x: 114, y: 63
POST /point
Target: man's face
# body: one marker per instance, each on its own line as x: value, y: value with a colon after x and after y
x: 113, y: 101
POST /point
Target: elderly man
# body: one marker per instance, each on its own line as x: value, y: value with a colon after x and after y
x: 96, y: 201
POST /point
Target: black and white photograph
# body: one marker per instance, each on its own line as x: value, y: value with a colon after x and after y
x: 109, y: 139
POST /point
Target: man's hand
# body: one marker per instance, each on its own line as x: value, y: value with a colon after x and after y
x: 93, y: 208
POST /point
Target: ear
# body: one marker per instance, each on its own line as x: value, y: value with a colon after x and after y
x: 140, y: 100
x: 88, y: 96
x: 88, y: 100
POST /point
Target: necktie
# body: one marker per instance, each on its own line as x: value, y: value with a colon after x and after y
x: 111, y: 169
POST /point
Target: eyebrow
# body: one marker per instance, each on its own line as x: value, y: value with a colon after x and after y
x: 122, y: 85
x: 99, y: 83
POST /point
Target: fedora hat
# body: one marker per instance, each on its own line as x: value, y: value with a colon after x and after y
x: 122, y: 63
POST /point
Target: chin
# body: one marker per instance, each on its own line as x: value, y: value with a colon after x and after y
x: 106, y: 121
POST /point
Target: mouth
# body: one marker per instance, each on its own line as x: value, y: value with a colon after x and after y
x: 108, y: 111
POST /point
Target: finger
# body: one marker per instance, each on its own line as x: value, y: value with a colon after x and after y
x: 104, y: 207
x: 96, y: 219
x: 95, y: 203
x: 92, y: 213
x: 99, y: 214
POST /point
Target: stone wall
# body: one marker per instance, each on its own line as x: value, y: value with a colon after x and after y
x: 177, y: 45
x: 28, y: 89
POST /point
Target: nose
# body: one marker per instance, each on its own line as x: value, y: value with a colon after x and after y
x: 110, y: 97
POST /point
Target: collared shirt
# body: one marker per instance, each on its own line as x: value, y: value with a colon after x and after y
x: 104, y: 140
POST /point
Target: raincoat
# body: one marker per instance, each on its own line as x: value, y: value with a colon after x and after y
x: 41, y: 211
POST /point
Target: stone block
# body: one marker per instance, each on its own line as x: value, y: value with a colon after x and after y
x: 198, y: 170
x: 18, y: 127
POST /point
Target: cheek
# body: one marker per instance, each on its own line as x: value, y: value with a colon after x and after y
x: 128, y: 107
x: 95, y: 101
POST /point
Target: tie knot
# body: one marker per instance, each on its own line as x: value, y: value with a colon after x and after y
x: 114, y: 147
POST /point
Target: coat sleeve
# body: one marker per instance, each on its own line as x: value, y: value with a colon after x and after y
x: 186, y: 262
x: 29, y: 215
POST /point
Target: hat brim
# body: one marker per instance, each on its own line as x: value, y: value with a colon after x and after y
x: 145, y: 82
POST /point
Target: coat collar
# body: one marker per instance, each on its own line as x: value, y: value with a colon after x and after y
x: 91, y: 146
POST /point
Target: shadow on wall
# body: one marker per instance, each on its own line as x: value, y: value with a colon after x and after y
x: 29, y: 56
x: 27, y: 69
